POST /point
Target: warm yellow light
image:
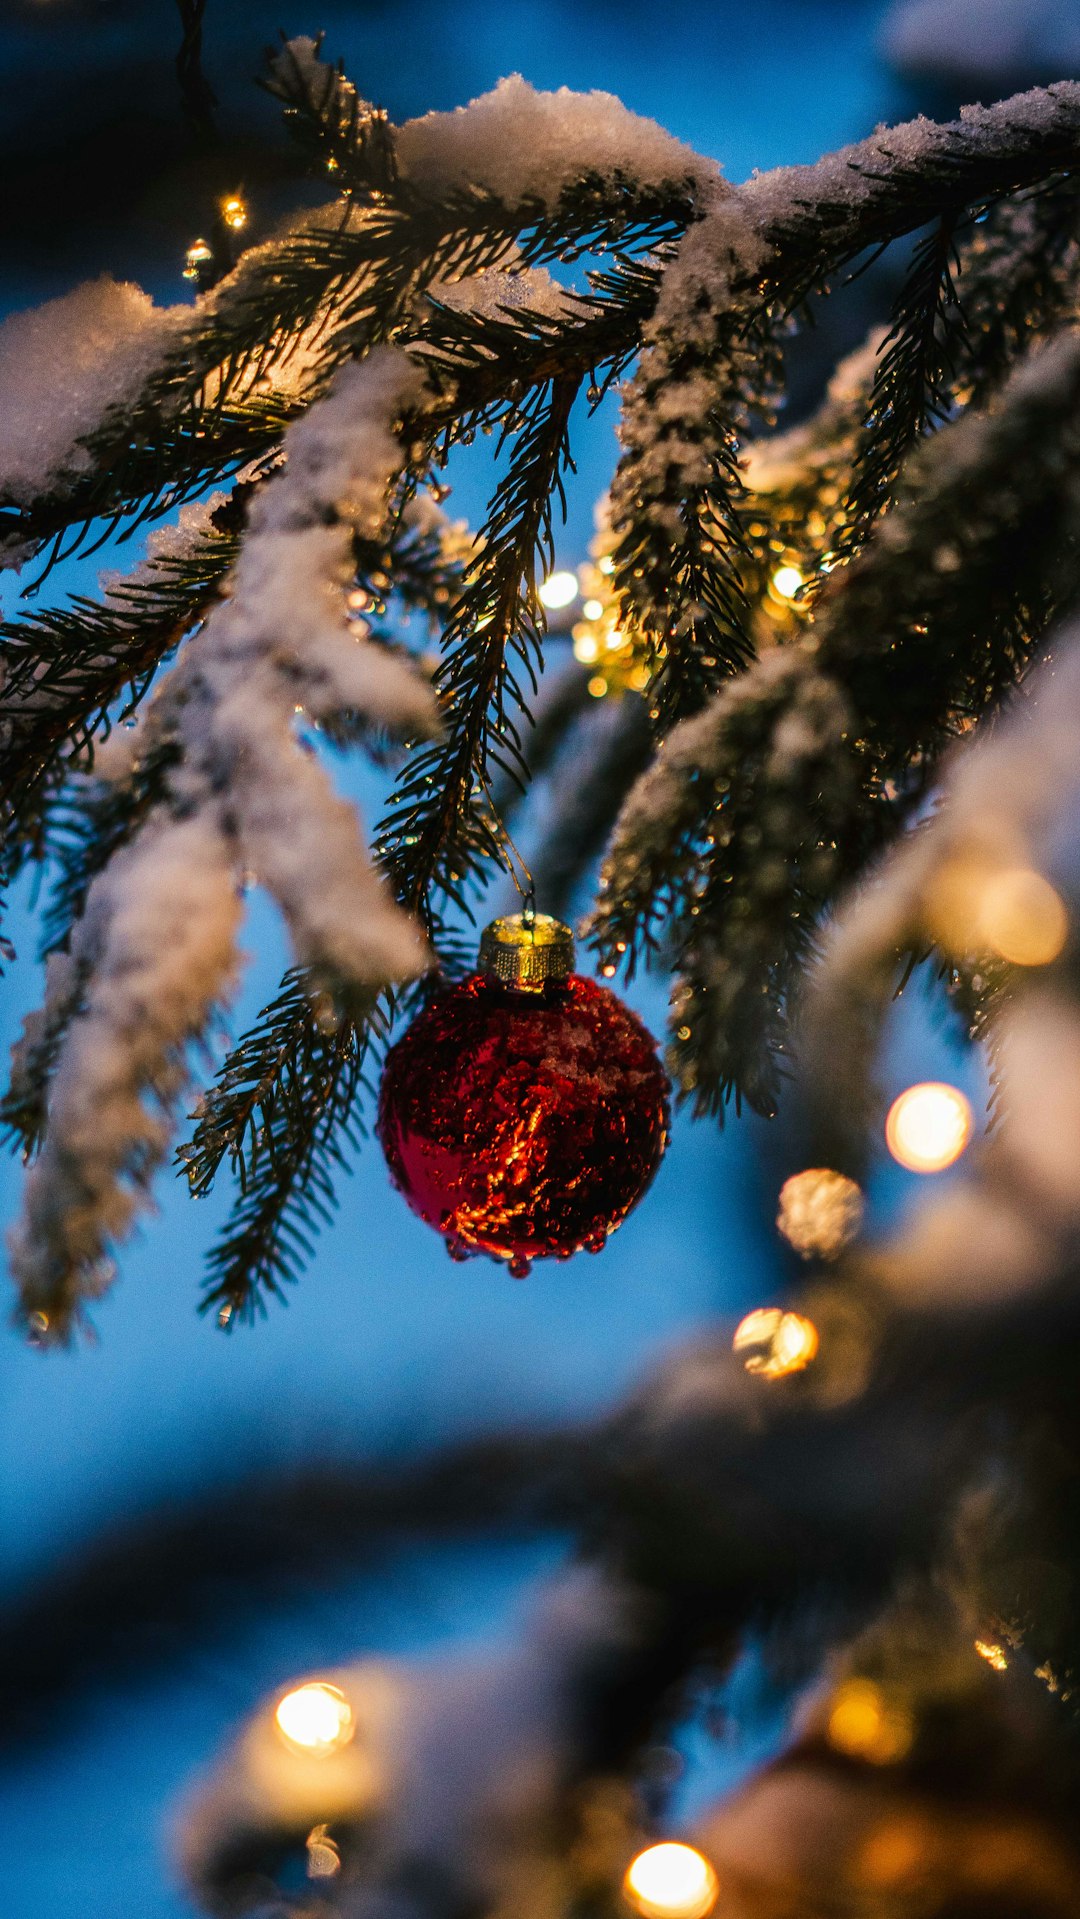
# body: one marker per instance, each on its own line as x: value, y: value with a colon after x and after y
x: 865, y: 1724
x: 598, y: 686
x: 1022, y: 917
x: 786, y: 582
x: 593, y: 609
x: 1012, y: 911
x: 315, y: 1718
x: 820, y: 1211
x: 323, y: 1857
x: 559, y: 589
x: 670, y: 1881
x: 928, y: 1127
x: 993, y: 1654
x: 607, y: 564
x: 586, y: 648
x: 775, y: 1343
x: 196, y: 258
x: 234, y: 212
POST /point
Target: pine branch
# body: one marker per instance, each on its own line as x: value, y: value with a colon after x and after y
x: 1019, y: 279
x: 440, y: 829
x: 88, y: 824
x: 203, y: 413
x: 936, y: 620
x: 731, y: 843
x: 339, y: 132
x: 73, y: 672
x: 282, y: 1112
x: 680, y: 547
x: 911, y: 391
x: 819, y: 218
x: 199, y: 96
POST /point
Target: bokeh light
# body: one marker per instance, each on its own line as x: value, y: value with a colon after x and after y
x: 323, y: 1855
x: 865, y: 1723
x: 787, y: 581
x: 974, y: 906
x: 820, y: 1212
x: 315, y: 1718
x: 928, y: 1127
x: 671, y: 1881
x: 559, y: 589
x: 774, y: 1343
x: 1023, y: 918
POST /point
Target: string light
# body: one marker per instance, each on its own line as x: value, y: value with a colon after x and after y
x: 315, y: 1718
x: 1023, y: 918
x: 774, y: 1343
x: 198, y: 256
x: 323, y: 1857
x: 928, y: 1127
x: 234, y: 212
x: 820, y: 1211
x: 671, y: 1881
x: 559, y: 589
x: 787, y: 580
x: 865, y: 1724
x: 1011, y: 911
x: 993, y: 1654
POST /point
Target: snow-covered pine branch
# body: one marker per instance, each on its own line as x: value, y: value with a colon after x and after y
x: 339, y: 362
x: 244, y: 796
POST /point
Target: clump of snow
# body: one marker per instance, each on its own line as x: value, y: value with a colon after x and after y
x: 857, y: 175
x: 489, y: 1825
x: 499, y: 290
x: 156, y: 942
x: 62, y: 366
x: 160, y: 933
x: 521, y: 145
x: 279, y: 645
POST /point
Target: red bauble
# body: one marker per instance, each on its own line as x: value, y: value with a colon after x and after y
x: 524, y: 1123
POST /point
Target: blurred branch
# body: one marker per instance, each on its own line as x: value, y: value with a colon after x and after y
x: 199, y: 96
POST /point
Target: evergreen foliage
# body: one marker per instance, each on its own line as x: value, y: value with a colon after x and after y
x: 931, y: 510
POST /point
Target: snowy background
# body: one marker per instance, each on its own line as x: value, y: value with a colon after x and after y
x: 386, y: 1348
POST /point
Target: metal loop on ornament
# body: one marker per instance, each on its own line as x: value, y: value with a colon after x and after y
x: 527, y: 949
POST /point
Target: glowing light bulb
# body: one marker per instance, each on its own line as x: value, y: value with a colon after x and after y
x: 820, y: 1211
x: 928, y: 1127
x: 607, y: 564
x: 597, y: 686
x: 994, y: 1655
x: 315, y: 1718
x: 323, y: 1855
x: 234, y: 212
x: 586, y: 647
x: 196, y: 257
x: 671, y: 1881
x: 774, y: 1343
x: 1022, y: 917
x: 866, y: 1724
x: 559, y: 589
x: 786, y: 581
x: 593, y: 609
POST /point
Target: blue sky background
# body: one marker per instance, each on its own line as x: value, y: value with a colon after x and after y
x: 386, y: 1347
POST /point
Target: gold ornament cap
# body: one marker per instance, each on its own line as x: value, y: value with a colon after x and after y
x: 527, y: 950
